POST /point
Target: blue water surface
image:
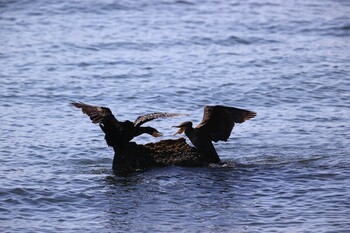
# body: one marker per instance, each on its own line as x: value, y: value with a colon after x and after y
x: 287, y: 170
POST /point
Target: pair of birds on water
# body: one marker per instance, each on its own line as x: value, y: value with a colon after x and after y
x: 216, y: 125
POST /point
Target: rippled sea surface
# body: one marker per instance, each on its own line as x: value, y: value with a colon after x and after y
x: 287, y: 170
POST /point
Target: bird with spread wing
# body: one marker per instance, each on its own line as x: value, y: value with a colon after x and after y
x: 216, y: 125
x: 119, y: 133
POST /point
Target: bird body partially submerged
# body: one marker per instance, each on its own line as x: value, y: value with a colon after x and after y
x: 119, y: 133
x: 216, y: 125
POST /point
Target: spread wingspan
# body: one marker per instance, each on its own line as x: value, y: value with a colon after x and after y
x: 151, y: 116
x: 96, y: 114
x: 218, y: 121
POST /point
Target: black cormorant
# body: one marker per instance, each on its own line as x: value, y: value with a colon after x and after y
x: 216, y: 125
x: 117, y: 133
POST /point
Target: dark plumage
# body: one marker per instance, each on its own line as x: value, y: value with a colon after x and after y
x: 216, y: 125
x: 117, y: 133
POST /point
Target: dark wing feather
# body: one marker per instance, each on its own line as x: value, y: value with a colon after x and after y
x: 148, y: 117
x: 218, y: 121
x: 96, y: 114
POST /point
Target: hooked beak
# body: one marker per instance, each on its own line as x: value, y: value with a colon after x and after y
x: 157, y: 134
x: 180, y: 131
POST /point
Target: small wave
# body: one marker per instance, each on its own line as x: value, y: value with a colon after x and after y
x: 345, y: 27
x: 184, y: 2
x: 273, y: 160
x: 18, y: 191
x: 115, y: 6
x: 84, y: 64
x: 342, y: 30
x: 225, y: 164
x: 232, y: 41
x: 100, y: 171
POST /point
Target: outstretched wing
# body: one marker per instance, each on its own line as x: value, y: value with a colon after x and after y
x: 218, y: 121
x: 148, y: 117
x: 96, y: 114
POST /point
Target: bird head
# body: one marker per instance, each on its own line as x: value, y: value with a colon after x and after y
x: 183, y: 126
x: 156, y: 134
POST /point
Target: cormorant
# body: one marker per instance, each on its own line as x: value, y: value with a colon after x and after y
x: 117, y: 133
x: 216, y: 125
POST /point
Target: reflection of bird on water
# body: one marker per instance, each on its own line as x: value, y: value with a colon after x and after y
x: 216, y: 125
x: 117, y: 133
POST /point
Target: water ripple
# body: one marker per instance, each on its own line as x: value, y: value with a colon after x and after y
x: 285, y: 170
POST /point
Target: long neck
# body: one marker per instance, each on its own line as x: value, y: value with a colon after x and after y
x: 190, y: 132
x: 210, y: 154
x: 141, y: 130
x: 203, y: 144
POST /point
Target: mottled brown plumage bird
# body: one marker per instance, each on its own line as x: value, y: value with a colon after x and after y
x: 117, y: 133
x: 216, y: 125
